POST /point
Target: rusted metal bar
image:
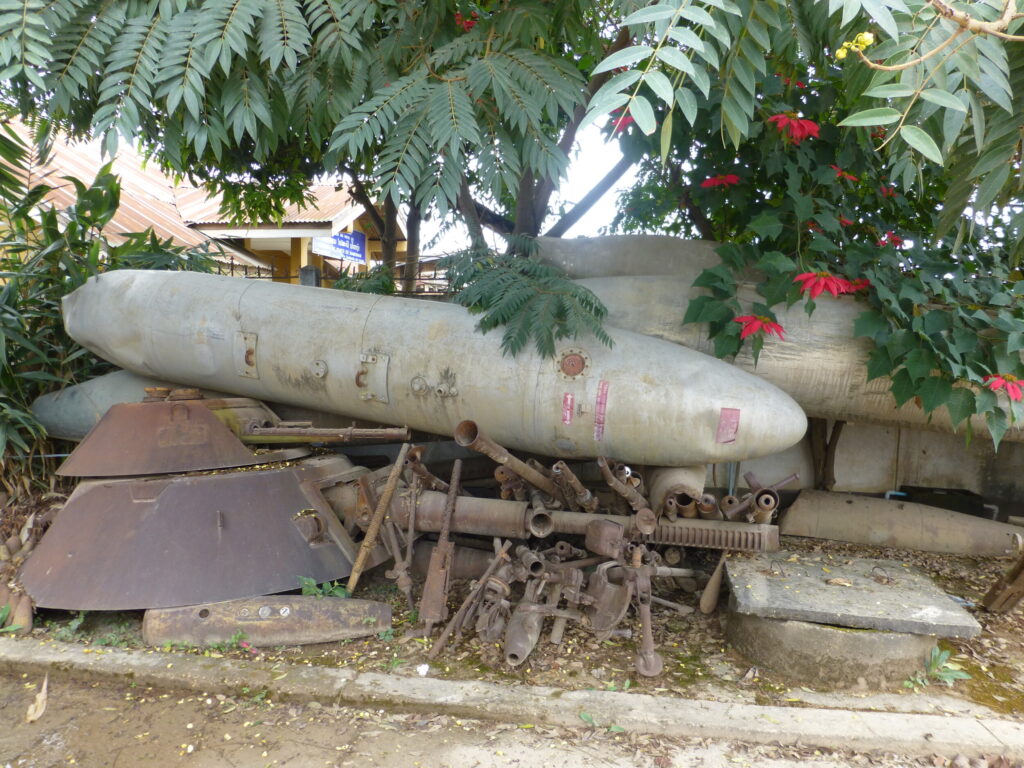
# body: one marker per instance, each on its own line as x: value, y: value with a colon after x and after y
x: 433, y: 603
x: 328, y: 435
x: 267, y: 621
x: 629, y: 493
x: 682, y: 610
x: 469, y: 435
x: 378, y: 517
x: 584, y: 498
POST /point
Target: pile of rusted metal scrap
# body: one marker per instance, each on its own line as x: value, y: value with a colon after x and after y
x: 563, y: 549
x: 179, y: 516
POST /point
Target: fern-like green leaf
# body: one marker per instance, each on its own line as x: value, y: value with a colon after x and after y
x: 531, y: 301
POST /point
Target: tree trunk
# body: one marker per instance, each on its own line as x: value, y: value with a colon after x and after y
x: 469, y: 212
x: 412, y: 248
x: 389, y: 237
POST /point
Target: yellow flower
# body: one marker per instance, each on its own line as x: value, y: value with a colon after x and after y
x: 841, y: 54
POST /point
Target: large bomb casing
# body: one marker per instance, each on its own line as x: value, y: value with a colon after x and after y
x: 423, y: 364
x: 820, y: 363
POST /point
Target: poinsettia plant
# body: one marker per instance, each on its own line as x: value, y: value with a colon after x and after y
x: 811, y: 207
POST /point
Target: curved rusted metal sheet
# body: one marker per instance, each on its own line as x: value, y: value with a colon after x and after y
x: 169, y: 541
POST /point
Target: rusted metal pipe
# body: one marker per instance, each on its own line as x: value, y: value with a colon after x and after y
x: 325, y: 435
x: 414, y: 461
x: 584, y: 497
x: 707, y: 507
x: 469, y: 435
x: 481, y: 517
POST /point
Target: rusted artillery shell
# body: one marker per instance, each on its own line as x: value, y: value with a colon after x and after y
x: 13, y: 545
x: 5, y: 599
x: 267, y: 621
x: 21, y: 616
x: 709, y: 600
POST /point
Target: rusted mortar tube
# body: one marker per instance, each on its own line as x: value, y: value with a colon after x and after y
x: 469, y: 435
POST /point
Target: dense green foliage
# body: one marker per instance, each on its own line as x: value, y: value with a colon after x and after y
x: 942, y: 289
x: 44, y: 254
x: 471, y: 109
x: 258, y: 96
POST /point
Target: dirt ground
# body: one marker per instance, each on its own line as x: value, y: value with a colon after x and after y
x: 99, y: 726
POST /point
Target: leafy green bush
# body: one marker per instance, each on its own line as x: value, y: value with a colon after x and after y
x: 45, y: 254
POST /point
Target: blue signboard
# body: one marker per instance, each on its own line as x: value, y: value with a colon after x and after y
x: 349, y: 246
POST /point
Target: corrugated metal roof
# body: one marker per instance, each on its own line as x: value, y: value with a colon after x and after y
x: 151, y: 199
x: 147, y: 199
x: 197, y: 207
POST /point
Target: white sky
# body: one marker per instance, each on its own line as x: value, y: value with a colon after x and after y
x: 593, y: 158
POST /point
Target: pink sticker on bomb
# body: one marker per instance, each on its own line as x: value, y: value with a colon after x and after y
x: 728, y: 425
x: 568, y: 403
x: 600, y: 410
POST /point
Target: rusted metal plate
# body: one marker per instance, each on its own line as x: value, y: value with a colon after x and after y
x: 267, y: 621
x: 162, y: 542
x: 135, y: 439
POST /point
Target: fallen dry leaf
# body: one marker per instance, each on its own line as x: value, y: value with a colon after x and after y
x: 36, y: 709
x: 839, y: 582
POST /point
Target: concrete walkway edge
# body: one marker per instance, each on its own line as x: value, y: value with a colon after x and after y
x: 838, y: 729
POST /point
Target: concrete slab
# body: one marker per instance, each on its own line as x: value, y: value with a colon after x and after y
x: 820, y: 654
x: 899, y: 733
x: 849, y: 592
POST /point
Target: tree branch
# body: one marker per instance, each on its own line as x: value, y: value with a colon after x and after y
x: 697, y: 217
x: 546, y: 187
x: 493, y: 220
x: 358, y: 190
x: 588, y: 200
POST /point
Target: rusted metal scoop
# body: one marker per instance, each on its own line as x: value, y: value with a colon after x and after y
x: 169, y: 541
x: 267, y: 621
x: 134, y: 439
x: 434, y: 603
